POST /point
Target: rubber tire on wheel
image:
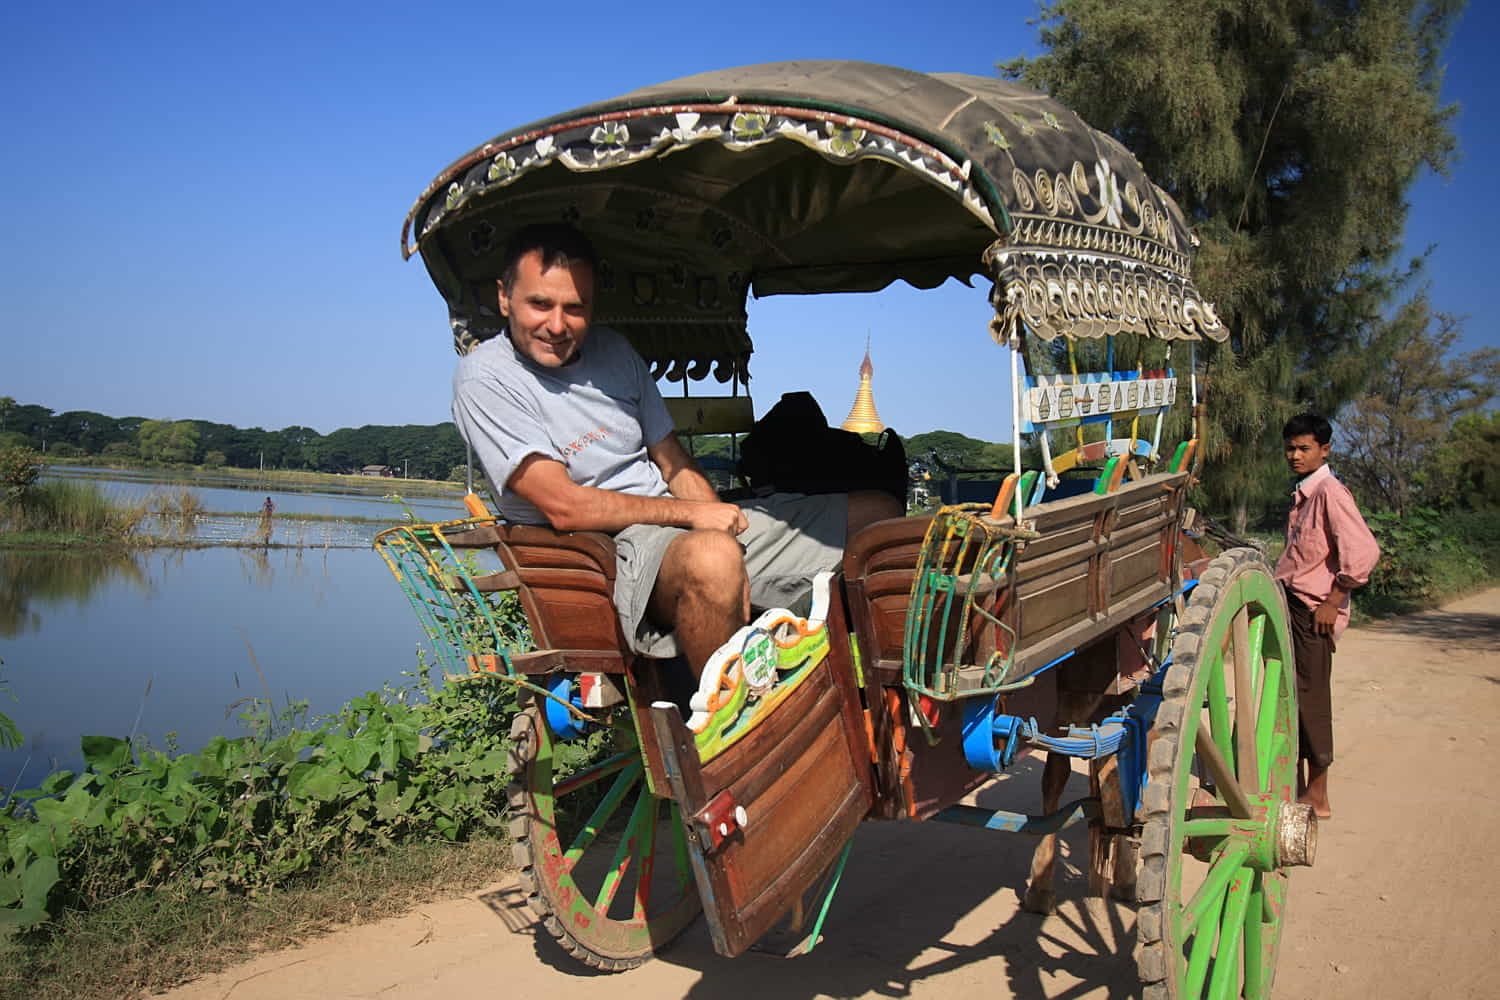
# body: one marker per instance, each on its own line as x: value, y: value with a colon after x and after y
x: 565, y: 892
x: 1246, y: 913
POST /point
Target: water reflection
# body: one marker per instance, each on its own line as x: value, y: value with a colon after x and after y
x: 171, y: 641
x: 30, y: 580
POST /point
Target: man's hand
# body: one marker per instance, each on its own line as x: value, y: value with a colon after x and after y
x: 1325, y: 617
x: 567, y: 506
x: 716, y: 516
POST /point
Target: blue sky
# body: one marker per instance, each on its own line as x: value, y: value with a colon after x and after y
x: 206, y: 200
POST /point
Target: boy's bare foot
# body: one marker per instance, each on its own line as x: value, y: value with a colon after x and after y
x: 1315, y: 793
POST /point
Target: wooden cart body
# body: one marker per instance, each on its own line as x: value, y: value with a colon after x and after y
x: 844, y: 177
x: 836, y: 752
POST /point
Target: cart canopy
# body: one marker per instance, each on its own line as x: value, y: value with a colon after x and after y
x: 822, y: 176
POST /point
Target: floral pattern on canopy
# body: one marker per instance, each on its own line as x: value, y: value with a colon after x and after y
x: 819, y: 177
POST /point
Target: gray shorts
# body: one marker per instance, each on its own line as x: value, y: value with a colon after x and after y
x: 791, y: 538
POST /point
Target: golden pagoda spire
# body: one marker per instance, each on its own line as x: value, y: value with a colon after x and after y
x: 862, y: 417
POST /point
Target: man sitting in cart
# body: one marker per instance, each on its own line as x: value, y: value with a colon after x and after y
x: 572, y: 431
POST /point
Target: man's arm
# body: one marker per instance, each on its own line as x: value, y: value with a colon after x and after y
x: 678, y: 470
x: 544, y: 482
x: 1355, y: 551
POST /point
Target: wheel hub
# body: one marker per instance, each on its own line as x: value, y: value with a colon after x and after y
x: 1296, y: 835
x: 1279, y: 834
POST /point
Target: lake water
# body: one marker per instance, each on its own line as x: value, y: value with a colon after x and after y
x: 169, y: 640
x: 232, y: 508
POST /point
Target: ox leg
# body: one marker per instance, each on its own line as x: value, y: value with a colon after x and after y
x: 1041, y: 895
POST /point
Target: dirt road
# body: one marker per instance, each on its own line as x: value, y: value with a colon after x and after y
x: 1402, y: 902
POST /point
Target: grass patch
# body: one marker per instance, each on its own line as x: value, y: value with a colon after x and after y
x: 190, y: 475
x: 65, y: 507
x: 147, y: 942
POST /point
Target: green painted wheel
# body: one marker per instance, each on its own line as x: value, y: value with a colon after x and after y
x: 603, y: 862
x: 1221, y: 822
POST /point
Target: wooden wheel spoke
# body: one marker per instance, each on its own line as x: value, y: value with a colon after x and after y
x: 1258, y: 625
x: 1218, y: 708
x: 1255, y: 981
x: 1225, y: 981
x: 596, y: 772
x: 647, y: 855
x: 628, y: 849
x: 1207, y: 827
x: 1206, y: 900
x: 1202, y: 951
x: 1265, y: 721
x: 602, y: 812
x: 1244, y: 703
x: 1218, y: 768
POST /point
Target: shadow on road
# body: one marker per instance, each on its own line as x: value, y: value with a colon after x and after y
x: 1476, y: 629
x: 920, y: 901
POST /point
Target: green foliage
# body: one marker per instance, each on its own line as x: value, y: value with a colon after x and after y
x: 244, y: 814
x: 429, y: 451
x: 71, y: 507
x: 1428, y: 556
x: 10, y: 733
x: 1289, y: 134
x: 120, y: 449
x: 949, y: 450
x: 1467, y: 464
x: 19, y: 469
x: 1390, y: 437
x: 167, y: 441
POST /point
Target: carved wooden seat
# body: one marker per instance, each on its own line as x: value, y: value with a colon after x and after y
x: 879, y: 563
x: 566, y: 584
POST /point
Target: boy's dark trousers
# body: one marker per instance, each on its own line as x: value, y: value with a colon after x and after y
x: 1314, y: 655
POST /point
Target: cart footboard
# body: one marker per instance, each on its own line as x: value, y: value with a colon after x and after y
x: 766, y: 815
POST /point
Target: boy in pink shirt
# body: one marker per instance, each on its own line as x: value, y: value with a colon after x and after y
x: 1329, y: 552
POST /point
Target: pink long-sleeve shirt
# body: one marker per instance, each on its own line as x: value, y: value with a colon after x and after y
x: 1327, y: 541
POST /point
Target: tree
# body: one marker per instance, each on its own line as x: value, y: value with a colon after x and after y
x: 1288, y: 133
x: 1389, y: 437
x: 167, y: 441
x: 1467, y: 467
x: 7, y: 403
x: 19, y: 469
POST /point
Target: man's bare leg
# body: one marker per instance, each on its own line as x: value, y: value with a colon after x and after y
x: 1315, y: 793
x: 702, y: 592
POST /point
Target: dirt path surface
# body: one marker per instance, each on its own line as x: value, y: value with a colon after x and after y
x: 1400, y: 904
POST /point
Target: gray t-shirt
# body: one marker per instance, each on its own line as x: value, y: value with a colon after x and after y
x: 597, y: 415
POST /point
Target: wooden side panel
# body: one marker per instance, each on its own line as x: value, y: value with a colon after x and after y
x: 1098, y: 560
x: 879, y: 564
x: 567, y: 586
x: 939, y: 775
x: 803, y: 779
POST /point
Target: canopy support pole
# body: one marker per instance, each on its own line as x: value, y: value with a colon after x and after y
x: 1161, y: 414
x: 1016, y: 388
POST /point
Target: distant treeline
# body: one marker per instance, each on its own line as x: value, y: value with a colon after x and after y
x: 425, y: 452
x: 432, y: 451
